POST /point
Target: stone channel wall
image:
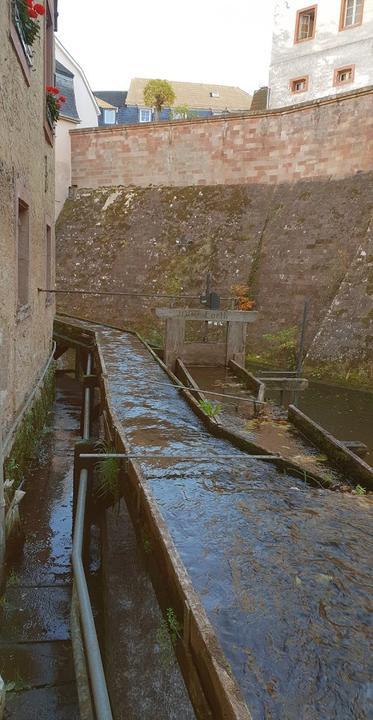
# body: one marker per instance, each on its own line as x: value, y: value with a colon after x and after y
x: 326, y: 138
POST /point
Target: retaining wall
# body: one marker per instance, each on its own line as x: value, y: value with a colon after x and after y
x: 326, y: 138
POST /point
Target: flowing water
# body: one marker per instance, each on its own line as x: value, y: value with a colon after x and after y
x: 283, y: 570
x: 346, y: 413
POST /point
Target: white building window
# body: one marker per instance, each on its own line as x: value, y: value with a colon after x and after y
x: 299, y: 85
x: 145, y: 115
x: 306, y: 24
x: 345, y: 75
x: 352, y: 13
x: 109, y: 117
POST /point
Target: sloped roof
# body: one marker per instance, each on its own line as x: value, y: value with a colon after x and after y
x: 65, y: 84
x: 196, y: 95
x: 62, y: 50
x: 62, y: 70
x: 104, y: 105
x: 115, y: 98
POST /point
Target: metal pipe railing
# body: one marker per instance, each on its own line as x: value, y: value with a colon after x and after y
x: 92, y: 648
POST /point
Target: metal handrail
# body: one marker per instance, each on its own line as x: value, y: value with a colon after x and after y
x: 96, y: 670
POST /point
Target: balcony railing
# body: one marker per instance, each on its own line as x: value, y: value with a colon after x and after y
x: 19, y: 25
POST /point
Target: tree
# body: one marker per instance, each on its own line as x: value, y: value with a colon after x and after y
x: 158, y: 93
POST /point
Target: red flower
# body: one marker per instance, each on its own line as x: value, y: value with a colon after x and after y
x: 32, y: 13
x: 62, y: 98
x: 40, y: 9
x: 29, y: 3
x: 49, y: 89
x: 55, y: 91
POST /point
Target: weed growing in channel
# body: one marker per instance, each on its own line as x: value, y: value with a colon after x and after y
x: 13, y: 578
x: 360, y: 490
x: 107, y: 474
x: 17, y: 685
x: 283, y: 346
x: 147, y: 545
x: 167, y: 635
x: 209, y: 408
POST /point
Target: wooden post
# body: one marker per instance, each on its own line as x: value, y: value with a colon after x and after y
x: 236, y: 342
x: 174, y: 342
x: 205, y: 353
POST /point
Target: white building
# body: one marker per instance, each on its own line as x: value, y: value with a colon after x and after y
x: 319, y: 50
x: 79, y: 110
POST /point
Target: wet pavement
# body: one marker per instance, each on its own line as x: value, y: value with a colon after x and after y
x: 282, y: 569
x: 35, y: 651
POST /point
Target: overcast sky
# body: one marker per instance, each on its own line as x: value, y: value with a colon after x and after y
x: 225, y: 42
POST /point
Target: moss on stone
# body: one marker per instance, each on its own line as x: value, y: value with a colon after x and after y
x: 29, y: 431
x: 359, y: 377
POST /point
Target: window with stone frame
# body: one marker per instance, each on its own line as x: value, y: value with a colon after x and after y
x: 48, y: 263
x: 351, y: 13
x: 305, y: 27
x: 299, y: 85
x: 344, y: 75
x: 23, y: 254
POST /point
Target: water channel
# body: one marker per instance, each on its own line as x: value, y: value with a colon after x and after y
x: 345, y: 412
x: 283, y: 569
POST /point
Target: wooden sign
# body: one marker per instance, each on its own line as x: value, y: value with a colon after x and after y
x: 240, y: 316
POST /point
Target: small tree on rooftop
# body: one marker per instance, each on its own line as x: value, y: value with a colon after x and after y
x: 157, y: 94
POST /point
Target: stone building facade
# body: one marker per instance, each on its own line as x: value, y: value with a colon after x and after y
x: 320, y: 49
x: 26, y: 206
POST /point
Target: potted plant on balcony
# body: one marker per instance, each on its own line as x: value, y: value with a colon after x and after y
x: 54, y: 103
x: 26, y: 16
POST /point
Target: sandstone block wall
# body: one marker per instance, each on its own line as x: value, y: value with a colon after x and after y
x: 327, y: 138
x: 26, y: 170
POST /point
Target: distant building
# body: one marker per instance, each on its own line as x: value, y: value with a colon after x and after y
x: 260, y: 99
x: 192, y: 100
x: 319, y: 50
x: 112, y: 104
x: 79, y: 110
